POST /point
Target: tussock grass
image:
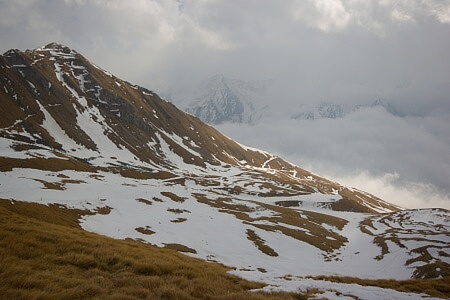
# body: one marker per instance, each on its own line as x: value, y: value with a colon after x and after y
x: 144, y: 230
x: 145, y: 201
x: 357, y: 201
x: 346, y: 204
x: 25, y: 147
x: 429, y: 267
x: 178, y: 220
x: 48, y: 164
x: 380, y: 241
x: 260, y: 243
x: 157, y: 199
x: 140, y: 174
x: 72, y: 181
x: 51, y: 185
x: 174, y: 197
x: 105, y: 210
x: 45, y: 255
x: 180, y: 248
x: 316, y: 235
x: 61, y: 186
x: 178, y: 211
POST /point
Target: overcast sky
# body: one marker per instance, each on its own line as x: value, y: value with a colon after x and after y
x: 347, y: 51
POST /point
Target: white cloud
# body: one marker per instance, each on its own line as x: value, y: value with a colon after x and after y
x: 332, y: 15
x: 439, y: 9
x: 402, y: 16
x: 386, y: 187
x: 403, y: 160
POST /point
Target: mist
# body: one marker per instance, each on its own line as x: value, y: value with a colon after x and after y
x: 404, y: 160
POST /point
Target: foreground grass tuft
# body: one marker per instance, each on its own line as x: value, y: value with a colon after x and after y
x: 45, y: 255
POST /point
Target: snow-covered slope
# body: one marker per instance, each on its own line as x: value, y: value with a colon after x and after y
x: 76, y: 135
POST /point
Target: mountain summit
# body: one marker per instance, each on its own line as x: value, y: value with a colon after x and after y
x: 76, y: 135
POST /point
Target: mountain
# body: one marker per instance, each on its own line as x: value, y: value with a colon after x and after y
x: 328, y: 110
x: 76, y: 135
x: 323, y: 110
x: 219, y: 99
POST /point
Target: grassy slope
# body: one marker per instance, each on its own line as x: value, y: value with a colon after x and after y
x: 45, y: 255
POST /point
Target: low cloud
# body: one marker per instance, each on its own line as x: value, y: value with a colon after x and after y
x: 401, y: 159
x: 388, y: 188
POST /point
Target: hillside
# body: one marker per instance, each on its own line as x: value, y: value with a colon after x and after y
x: 54, y: 258
x: 76, y: 135
x: 52, y: 246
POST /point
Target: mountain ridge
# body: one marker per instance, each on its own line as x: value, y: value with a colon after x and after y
x: 78, y: 136
x: 219, y: 100
x: 81, y: 82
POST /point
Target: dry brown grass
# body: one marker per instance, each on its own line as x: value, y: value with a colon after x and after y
x: 144, y: 230
x: 51, y: 185
x: 145, y: 201
x: 105, y: 210
x: 45, y: 255
x: 140, y: 174
x: 180, y: 248
x: 72, y: 181
x: 345, y: 204
x: 380, y: 241
x: 432, y: 267
x: 260, y: 243
x: 58, y: 185
x: 178, y: 211
x: 174, y: 197
x: 358, y: 202
x: 178, y: 220
x: 157, y: 199
x: 433, y: 287
x: 48, y: 164
x: 25, y: 147
x: 315, y: 233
